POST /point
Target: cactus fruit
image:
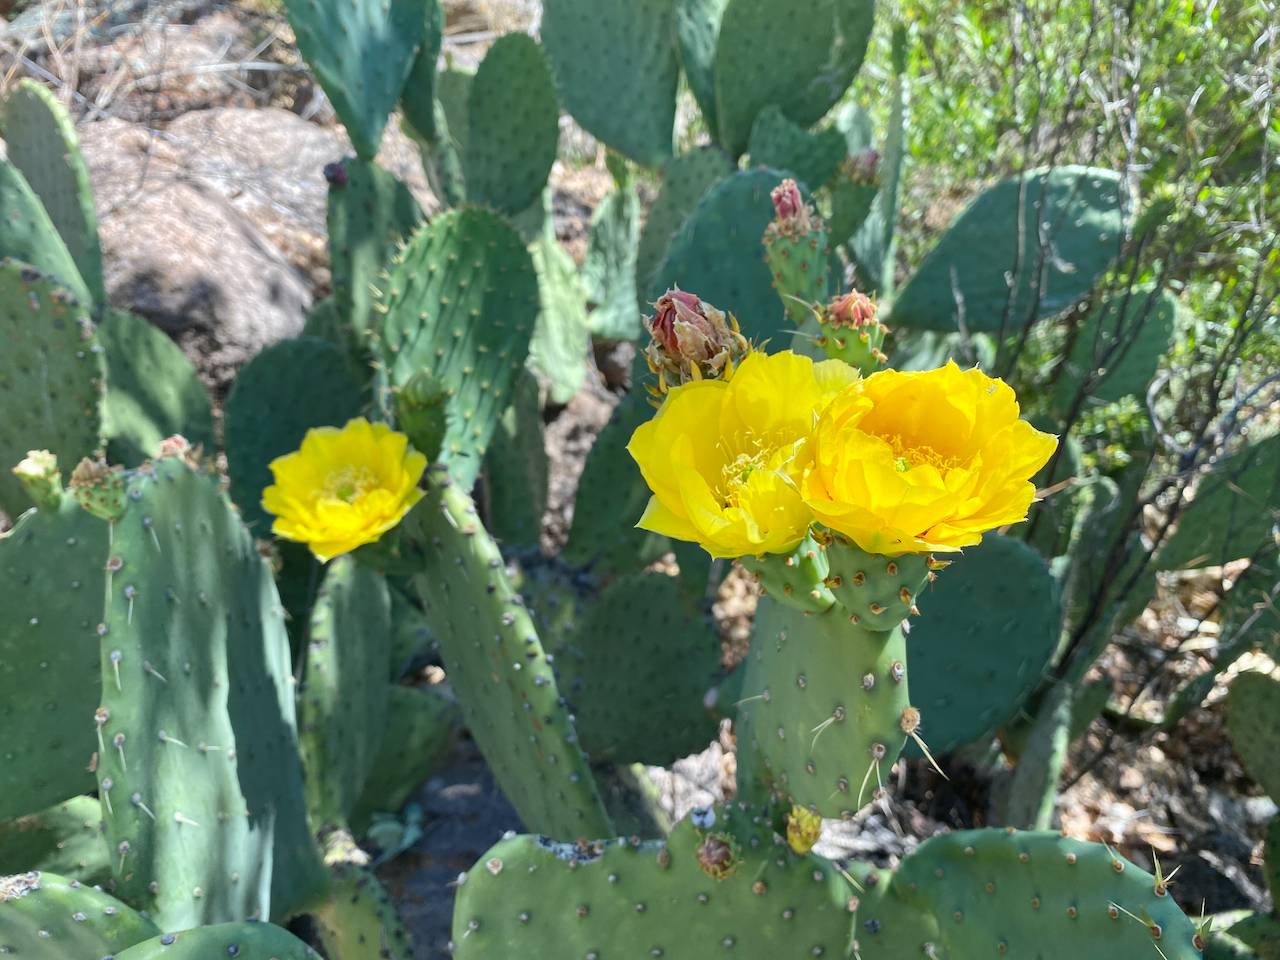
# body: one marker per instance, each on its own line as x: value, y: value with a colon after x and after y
x: 44, y: 916
x: 801, y: 61
x: 1038, y: 894
x: 51, y: 569
x: 814, y: 157
x: 99, y: 488
x: 851, y: 332
x: 66, y: 840
x: 244, y: 941
x: 361, y: 53
x: 616, y: 69
x: 51, y: 375
x: 989, y: 273
x: 305, y: 383
x: 358, y: 920
x: 153, y: 391
x: 342, y: 701
x: 460, y: 301
x: 197, y: 743
x: 795, y: 248
x: 701, y: 893
x: 41, y: 142
x: 496, y: 663
x: 876, y: 592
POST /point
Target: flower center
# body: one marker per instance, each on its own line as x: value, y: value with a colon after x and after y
x: 907, y: 455
x: 743, y: 457
x: 348, y: 483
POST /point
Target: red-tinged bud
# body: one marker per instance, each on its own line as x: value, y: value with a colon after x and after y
x: 851, y: 332
x: 853, y: 309
x: 692, y: 340
x: 793, y: 216
x: 662, y: 326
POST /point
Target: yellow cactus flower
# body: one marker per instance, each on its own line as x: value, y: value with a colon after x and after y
x: 915, y: 462
x: 724, y: 458
x: 343, y: 488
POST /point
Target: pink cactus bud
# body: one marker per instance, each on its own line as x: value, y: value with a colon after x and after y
x: 692, y: 340
x: 662, y: 326
x: 853, y: 309
x: 793, y: 215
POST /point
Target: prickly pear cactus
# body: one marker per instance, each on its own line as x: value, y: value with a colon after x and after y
x: 359, y: 920
x: 814, y: 157
x: 44, y: 916
x: 41, y: 142
x: 418, y: 98
x: 197, y: 746
x: 361, y: 53
x: 701, y: 893
x: 66, y: 840
x: 616, y: 69
x: 992, y: 892
x: 697, y: 24
x: 1253, y: 719
x: 516, y: 470
x: 460, y: 302
x: 342, y: 701
x: 561, y: 338
x: 244, y: 941
x: 609, y: 270
x: 51, y: 570
x: 29, y: 236
x: 51, y: 374
x: 496, y: 663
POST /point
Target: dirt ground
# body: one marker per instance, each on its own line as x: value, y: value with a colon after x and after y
x: 165, y: 89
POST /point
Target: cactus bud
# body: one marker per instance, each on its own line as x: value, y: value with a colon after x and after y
x: 692, y: 340
x: 803, y: 829
x: 421, y: 412
x: 99, y: 488
x: 793, y: 218
x: 718, y: 855
x: 864, y: 167
x: 41, y: 479
x: 851, y: 332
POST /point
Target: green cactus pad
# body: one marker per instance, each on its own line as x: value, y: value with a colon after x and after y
x: 461, y: 301
x: 1253, y: 720
x: 65, y: 839
x: 51, y: 374
x: 825, y: 701
x: 814, y: 157
x: 1230, y: 516
x: 878, y: 591
x: 361, y: 52
x: 29, y: 236
x: 370, y: 213
x: 410, y: 634
x: 697, y: 25
x: 1118, y: 346
x: 561, y: 337
x: 609, y: 270
x: 993, y: 892
x: 1081, y: 211
x: 1258, y: 933
x: 988, y: 630
x: 851, y: 204
x: 616, y: 898
x: 244, y: 941
x: 516, y: 470
x: 42, y: 143
x: 797, y: 579
x: 616, y: 69
x: 342, y: 702
x: 152, y: 391
x: 51, y: 567
x: 199, y: 749
x: 495, y: 662
x: 359, y: 921
x: 420, y: 722
x: 686, y: 177
x: 719, y: 255
x: 802, y: 59
x: 301, y: 383
x: 418, y: 98
x: 44, y: 916
x: 514, y: 126
x: 637, y: 673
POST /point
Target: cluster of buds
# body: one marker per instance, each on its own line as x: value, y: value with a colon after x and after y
x: 851, y: 331
x: 863, y: 167
x: 691, y: 340
x: 793, y: 218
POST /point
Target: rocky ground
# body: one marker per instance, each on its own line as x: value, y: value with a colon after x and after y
x: 206, y: 139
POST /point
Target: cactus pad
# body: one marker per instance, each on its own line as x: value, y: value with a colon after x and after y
x: 244, y: 941
x: 361, y: 51
x: 65, y: 839
x: 359, y: 920
x: 616, y: 68
x: 51, y: 578
x: 514, y: 126
x: 42, y: 143
x: 609, y: 270
x: 418, y: 98
x: 51, y: 374
x: 697, y: 25
x: 461, y: 301
x: 152, y: 391
x: 989, y: 628
x: 1253, y: 720
x: 1072, y: 227
x: 616, y: 898
x: 814, y: 157
x: 198, y: 748
x: 517, y: 469
x: 44, y: 916
x: 495, y: 661
x: 802, y: 60
x: 558, y: 348
x: 29, y: 236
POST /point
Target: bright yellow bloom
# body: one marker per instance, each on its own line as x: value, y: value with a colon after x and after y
x: 343, y: 488
x: 923, y: 461
x: 724, y: 458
